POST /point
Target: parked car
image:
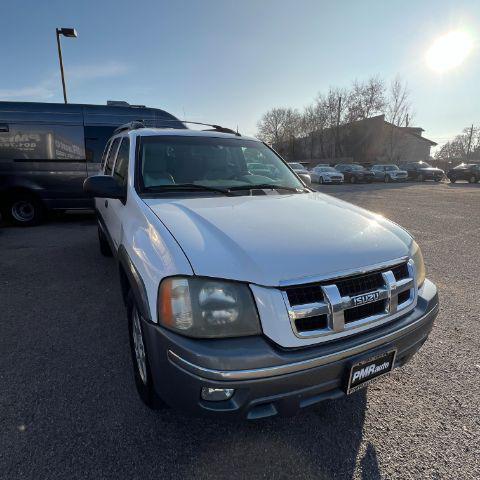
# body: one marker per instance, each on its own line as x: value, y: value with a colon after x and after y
x: 465, y: 171
x: 244, y: 305
x: 48, y: 149
x: 354, y: 173
x: 389, y: 173
x: 301, y: 171
x: 325, y: 175
x: 422, y: 171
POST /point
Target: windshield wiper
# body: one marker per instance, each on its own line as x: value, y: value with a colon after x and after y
x: 187, y: 187
x: 266, y: 186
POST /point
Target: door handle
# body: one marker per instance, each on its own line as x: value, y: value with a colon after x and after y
x: 106, y: 203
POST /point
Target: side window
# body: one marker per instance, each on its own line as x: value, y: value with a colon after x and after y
x: 121, y: 165
x: 42, y: 142
x: 95, y: 140
x: 111, y: 157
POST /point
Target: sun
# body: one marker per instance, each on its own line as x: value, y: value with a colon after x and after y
x: 449, y: 51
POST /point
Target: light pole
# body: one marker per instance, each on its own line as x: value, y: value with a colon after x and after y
x: 66, y: 32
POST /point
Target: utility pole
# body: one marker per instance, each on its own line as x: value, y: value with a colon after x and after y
x: 469, y: 141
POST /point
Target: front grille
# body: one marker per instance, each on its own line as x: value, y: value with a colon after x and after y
x: 362, y: 284
x: 304, y: 295
x: 328, y: 307
x: 311, y: 323
x: 368, y: 310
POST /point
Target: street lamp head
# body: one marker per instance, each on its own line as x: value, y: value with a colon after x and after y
x: 67, y: 32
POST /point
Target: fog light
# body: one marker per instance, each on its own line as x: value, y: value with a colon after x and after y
x: 217, y: 394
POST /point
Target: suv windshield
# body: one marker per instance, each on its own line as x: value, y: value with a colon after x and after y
x: 391, y: 167
x: 190, y: 163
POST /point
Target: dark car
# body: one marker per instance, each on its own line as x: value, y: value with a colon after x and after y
x: 465, y: 171
x: 422, y: 171
x: 48, y: 149
x: 354, y: 173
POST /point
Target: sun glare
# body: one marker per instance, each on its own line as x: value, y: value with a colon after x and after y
x: 449, y: 51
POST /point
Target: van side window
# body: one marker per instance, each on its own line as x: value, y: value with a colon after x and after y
x: 42, y: 142
x: 95, y: 140
x: 111, y: 157
x: 121, y: 164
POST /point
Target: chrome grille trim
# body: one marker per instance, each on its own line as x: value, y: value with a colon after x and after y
x: 335, y: 305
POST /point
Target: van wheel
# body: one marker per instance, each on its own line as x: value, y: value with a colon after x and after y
x: 141, y: 366
x: 105, y: 249
x: 25, y: 210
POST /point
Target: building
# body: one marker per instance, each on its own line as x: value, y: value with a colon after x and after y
x: 369, y: 141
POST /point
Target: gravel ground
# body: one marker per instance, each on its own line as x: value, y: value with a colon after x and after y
x: 68, y: 408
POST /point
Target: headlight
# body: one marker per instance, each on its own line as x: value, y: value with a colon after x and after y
x: 204, y: 308
x: 417, y: 258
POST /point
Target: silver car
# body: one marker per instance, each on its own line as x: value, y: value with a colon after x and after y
x: 301, y: 171
x: 325, y: 174
x: 389, y: 173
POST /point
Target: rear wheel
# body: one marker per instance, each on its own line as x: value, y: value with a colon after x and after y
x: 140, y: 361
x: 25, y: 210
x: 105, y: 249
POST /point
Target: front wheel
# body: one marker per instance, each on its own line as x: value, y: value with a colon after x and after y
x: 140, y: 361
x: 25, y: 210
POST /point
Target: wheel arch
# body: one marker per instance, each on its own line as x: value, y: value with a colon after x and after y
x: 130, y: 280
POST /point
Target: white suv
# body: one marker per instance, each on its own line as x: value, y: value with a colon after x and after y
x: 249, y: 294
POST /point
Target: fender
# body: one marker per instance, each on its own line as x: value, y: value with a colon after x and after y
x: 136, y: 283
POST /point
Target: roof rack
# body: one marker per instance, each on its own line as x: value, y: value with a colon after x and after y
x: 136, y: 124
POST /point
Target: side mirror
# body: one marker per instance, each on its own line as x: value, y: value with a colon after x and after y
x: 305, y: 177
x: 103, y: 186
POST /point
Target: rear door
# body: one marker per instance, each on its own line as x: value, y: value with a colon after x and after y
x: 117, y: 207
x: 103, y: 204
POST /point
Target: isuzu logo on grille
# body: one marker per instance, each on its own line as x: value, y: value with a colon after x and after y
x: 365, y: 298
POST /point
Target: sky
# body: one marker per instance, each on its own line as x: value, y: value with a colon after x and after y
x: 227, y: 62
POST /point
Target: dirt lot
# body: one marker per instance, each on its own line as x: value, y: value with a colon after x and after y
x: 68, y: 408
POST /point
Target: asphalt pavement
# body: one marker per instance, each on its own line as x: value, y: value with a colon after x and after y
x: 69, y: 409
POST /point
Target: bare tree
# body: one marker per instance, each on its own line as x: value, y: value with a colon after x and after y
x: 398, y: 113
x: 462, y: 148
x: 366, y: 99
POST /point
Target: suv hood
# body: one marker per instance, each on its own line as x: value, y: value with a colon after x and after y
x: 271, y: 239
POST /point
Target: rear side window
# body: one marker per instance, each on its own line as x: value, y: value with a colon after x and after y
x: 54, y: 143
x: 121, y: 165
x: 95, y: 140
x: 111, y: 157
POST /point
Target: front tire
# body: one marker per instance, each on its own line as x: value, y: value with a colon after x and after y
x: 25, y: 210
x: 140, y: 361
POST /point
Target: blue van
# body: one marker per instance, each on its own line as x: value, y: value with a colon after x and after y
x: 48, y: 149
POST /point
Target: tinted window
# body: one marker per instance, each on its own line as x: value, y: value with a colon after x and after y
x: 121, y: 164
x: 111, y: 157
x: 42, y: 142
x: 95, y: 140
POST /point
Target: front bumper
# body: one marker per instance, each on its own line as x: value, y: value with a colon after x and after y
x: 269, y: 380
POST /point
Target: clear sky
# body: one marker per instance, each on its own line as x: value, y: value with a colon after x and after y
x: 229, y: 61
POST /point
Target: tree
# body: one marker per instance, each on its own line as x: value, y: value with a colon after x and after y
x: 366, y: 99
